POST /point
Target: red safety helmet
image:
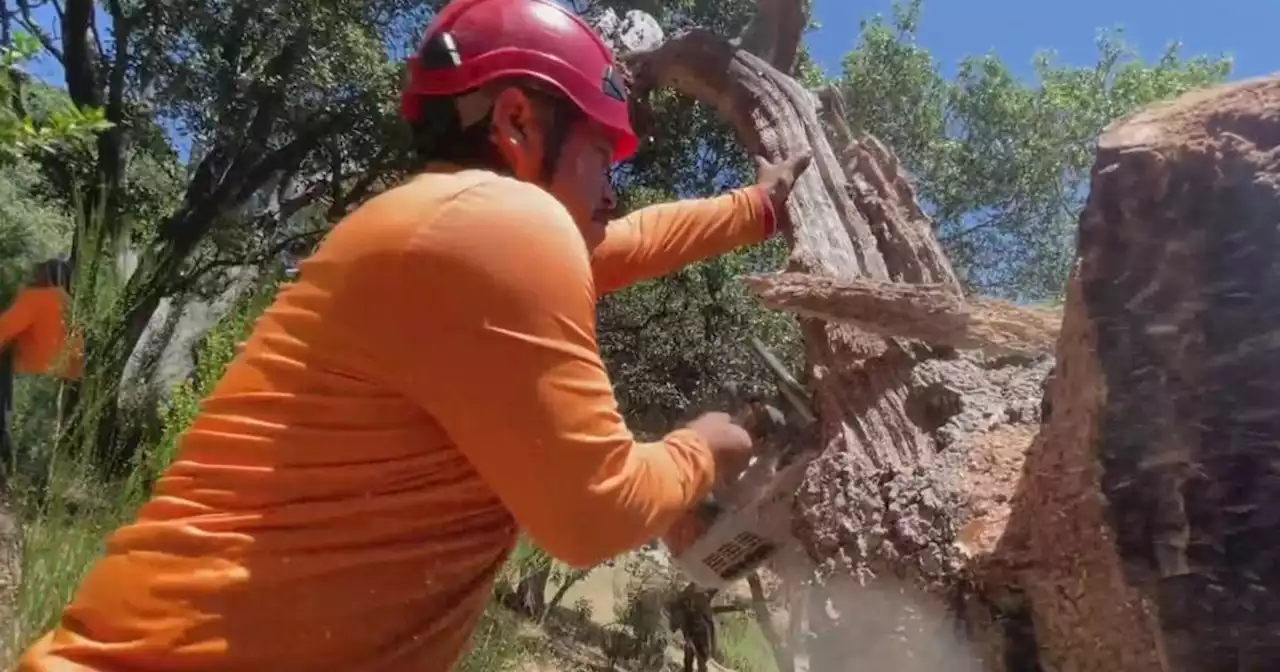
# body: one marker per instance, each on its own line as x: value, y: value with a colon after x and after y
x: 472, y: 42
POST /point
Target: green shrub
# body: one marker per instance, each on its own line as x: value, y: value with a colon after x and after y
x: 65, y: 507
x: 214, y: 354
x: 742, y: 644
x: 497, y: 643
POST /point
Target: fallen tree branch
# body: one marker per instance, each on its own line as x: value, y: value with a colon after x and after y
x: 930, y: 313
x: 774, y: 117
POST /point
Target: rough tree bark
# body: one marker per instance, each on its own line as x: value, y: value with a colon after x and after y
x: 910, y: 431
x: 1146, y: 530
x: 960, y: 516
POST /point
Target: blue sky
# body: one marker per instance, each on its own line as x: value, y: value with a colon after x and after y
x: 1016, y: 29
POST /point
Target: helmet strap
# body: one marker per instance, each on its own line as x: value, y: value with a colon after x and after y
x: 553, y: 142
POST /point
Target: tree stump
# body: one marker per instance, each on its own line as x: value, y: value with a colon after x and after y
x: 1151, y: 505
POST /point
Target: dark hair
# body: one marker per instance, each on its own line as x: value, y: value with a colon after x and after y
x: 52, y: 273
x: 438, y: 134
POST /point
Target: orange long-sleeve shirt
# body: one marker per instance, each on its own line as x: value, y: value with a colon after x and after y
x: 35, y: 325
x: 354, y: 482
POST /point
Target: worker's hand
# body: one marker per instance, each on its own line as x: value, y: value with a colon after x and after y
x: 778, y: 179
x: 730, y: 444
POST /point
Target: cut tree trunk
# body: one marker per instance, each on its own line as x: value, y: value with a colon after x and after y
x: 1149, y: 517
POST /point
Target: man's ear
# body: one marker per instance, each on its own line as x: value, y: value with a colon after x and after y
x: 515, y: 129
x: 514, y: 115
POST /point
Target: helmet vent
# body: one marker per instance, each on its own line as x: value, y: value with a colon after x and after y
x: 441, y: 51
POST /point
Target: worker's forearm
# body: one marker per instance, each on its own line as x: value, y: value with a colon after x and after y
x: 662, y: 238
x: 622, y: 510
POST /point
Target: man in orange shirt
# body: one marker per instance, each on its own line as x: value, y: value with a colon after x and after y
x: 428, y: 386
x: 33, y: 340
x: 34, y: 327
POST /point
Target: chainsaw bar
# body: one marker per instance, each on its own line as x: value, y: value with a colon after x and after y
x: 738, y: 526
x: 791, y: 389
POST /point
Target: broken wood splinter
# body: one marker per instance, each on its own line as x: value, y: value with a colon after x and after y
x: 925, y: 312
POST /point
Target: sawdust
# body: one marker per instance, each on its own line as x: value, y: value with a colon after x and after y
x: 891, y: 624
x: 994, y: 467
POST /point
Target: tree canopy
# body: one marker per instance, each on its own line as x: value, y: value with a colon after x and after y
x: 215, y: 137
x: 226, y: 134
x: 1002, y: 163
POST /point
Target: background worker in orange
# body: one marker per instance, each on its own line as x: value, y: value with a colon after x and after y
x: 34, y: 328
x: 430, y: 385
x: 33, y: 340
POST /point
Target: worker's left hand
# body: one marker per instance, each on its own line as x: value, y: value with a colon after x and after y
x: 778, y: 179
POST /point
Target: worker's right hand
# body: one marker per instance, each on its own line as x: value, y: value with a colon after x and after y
x: 730, y: 444
x: 778, y: 179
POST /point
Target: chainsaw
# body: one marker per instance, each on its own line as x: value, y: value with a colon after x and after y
x: 742, y: 524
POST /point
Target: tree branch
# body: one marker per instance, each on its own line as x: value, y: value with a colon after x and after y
x: 112, y: 143
x: 281, y: 211
x: 337, y: 176
x: 121, y: 34
x: 930, y: 313
x: 252, y: 163
x: 772, y: 116
x: 210, y: 183
x: 191, y: 277
x: 774, y: 33
x: 81, y: 62
x: 231, y: 52
x: 834, y: 116
x: 286, y: 158
x: 269, y: 91
x: 97, y: 37
x: 28, y: 22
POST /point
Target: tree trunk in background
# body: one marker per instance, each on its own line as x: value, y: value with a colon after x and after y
x: 1150, y: 513
x: 528, y: 596
x: 959, y: 516
x: 920, y: 442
